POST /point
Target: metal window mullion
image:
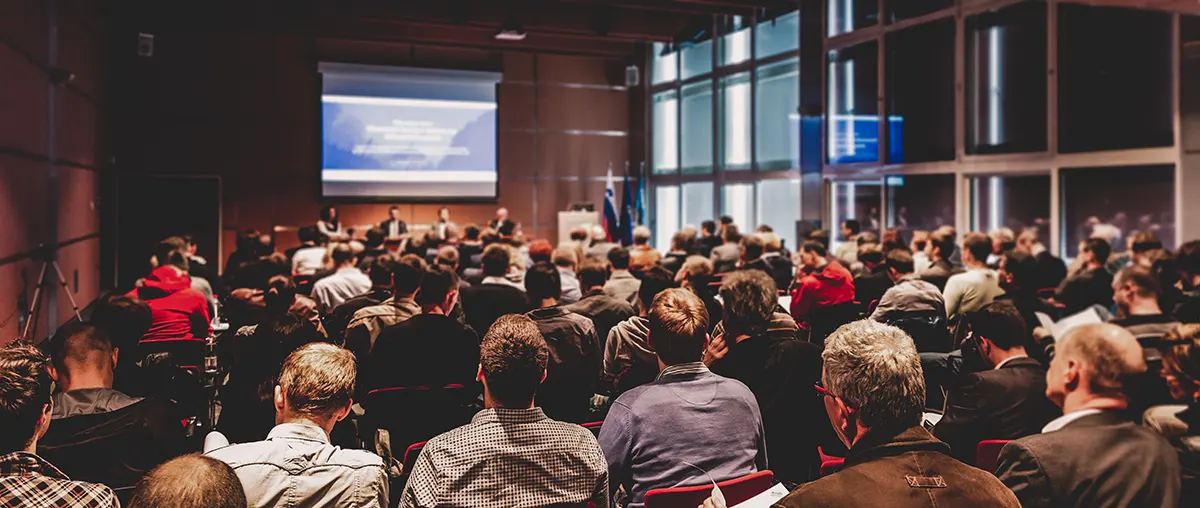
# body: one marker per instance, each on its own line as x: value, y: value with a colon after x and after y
x: 754, y: 96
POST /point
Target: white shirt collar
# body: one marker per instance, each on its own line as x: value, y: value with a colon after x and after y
x: 1006, y: 360
x: 1067, y: 419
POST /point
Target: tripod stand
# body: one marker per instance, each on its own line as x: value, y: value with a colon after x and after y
x: 46, y: 254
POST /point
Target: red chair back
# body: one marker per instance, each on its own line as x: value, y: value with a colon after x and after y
x: 736, y: 491
x: 1046, y: 293
x: 987, y: 453
x: 831, y: 466
x: 410, y: 456
x: 594, y: 427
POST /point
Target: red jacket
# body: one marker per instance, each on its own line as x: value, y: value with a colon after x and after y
x: 828, y: 285
x: 177, y: 310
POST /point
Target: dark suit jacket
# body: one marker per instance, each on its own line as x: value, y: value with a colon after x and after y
x: 484, y: 303
x: 386, y: 226
x: 1005, y: 403
x: 909, y: 469
x: 1098, y: 461
x: 1091, y: 287
x: 604, y: 311
x: 782, y: 270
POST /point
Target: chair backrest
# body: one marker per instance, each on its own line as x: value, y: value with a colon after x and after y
x: 183, y: 351
x: 410, y: 456
x: 736, y: 491
x: 831, y: 466
x: 594, y: 427
x: 1046, y: 293
x: 987, y: 452
x: 392, y: 408
x: 927, y: 328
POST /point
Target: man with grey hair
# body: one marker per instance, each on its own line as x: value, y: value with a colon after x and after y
x: 566, y: 261
x: 874, y: 395
x: 600, y: 244
x: 1094, y: 455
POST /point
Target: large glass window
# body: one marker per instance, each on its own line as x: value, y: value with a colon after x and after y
x: 853, y: 125
x: 1117, y: 202
x: 904, y: 9
x: 697, y: 128
x: 1014, y: 202
x: 1006, y: 80
x: 1114, y: 78
x: 778, y: 35
x: 853, y: 200
x: 779, y: 207
x: 697, y: 203
x: 697, y: 59
x: 919, y: 202
x: 737, y: 201
x: 848, y: 15
x: 666, y: 215
x: 777, y: 116
x: 920, y: 93
x: 735, y: 121
x: 666, y: 132
x: 735, y: 43
x: 666, y: 64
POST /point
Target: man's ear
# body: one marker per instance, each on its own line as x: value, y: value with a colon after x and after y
x: 280, y: 400
x: 342, y: 413
x: 53, y: 374
x: 1072, y: 373
x: 115, y: 354
x: 543, y: 377
x: 479, y: 374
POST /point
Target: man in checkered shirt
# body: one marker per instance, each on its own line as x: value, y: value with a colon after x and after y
x: 25, y: 407
x: 510, y: 454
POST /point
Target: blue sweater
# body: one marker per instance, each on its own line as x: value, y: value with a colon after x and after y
x: 687, y: 415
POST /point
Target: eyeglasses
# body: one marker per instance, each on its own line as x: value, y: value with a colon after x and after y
x: 823, y: 392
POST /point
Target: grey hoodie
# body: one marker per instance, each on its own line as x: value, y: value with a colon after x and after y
x: 627, y: 344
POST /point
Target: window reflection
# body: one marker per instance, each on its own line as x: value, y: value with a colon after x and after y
x: 1014, y: 202
x: 853, y: 124
x: 666, y: 215
x: 735, y: 121
x: 777, y: 116
x: 697, y: 203
x: 697, y: 128
x: 737, y: 201
x: 920, y: 82
x: 845, y: 16
x: 1006, y: 80
x: 778, y: 206
x: 919, y: 202
x: 1117, y: 202
x: 666, y: 132
x: 853, y: 200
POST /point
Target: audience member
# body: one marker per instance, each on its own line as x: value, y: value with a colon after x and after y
x: 1187, y: 260
x: 1135, y: 294
x: 470, y: 249
x: 25, y: 408
x: 380, y: 274
x: 1092, y: 284
x: 621, y: 283
x: 190, y: 481
x: 920, y: 241
x: 642, y: 255
x: 709, y: 239
x: 1093, y: 455
x: 778, y: 259
x: 311, y: 256
x: 372, y: 249
x: 819, y: 283
x: 604, y: 311
x: 601, y: 243
x: 778, y: 371
x: 873, y: 395
x: 511, y: 454
x: 724, y: 433
x: 969, y: 291
x: 847, y: 251
x: 177, y: 310
x: 1003, y: 240
x: 204, y: 277
x: 447, y: 259
x: 248, y: 249
x: 296, y: 464
x: 909, y: 294
x: 696, y: 275
x: 276, y: 297
x: 495, y: 296
x: 540, y: 251
x: 875, y: 281
x: 725, y: 256
x: 125, y: 319
x: 939, y: 251
x: 1006, y: 402
x: 566, y: 260
x: 1050, y: 269
x: 367, y: 323
x: 629, y: 360
x: 674, y: 259
x: 1018, y: 273
x: 575, y: 361
x: 750, y: 252
x: 345, y: 283
x: 1180, y: 424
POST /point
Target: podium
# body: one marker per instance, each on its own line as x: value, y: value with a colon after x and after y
x: 571, y: 220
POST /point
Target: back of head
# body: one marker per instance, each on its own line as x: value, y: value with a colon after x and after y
x: 814, y: 247
x: 317, y: 380
x: 286, y: 332
x: 870, y: 254
x: 24, y: 393
x: 1100, y: 248
x: 126, y: 319
x: 593, y: 273
x: 732, y: 235
x: 171, y: 251
x: 375, y: 237
x: 190, y: 481
x: 407, y: 274
x: 852, y: 225
x: 380, y: 270
x: 726, y: 220
x: 307, y: 234
x: 1002, y: 238
x: 80, y: 346
x: 1143, y: 281
x: 495, y: 260
x: 867, y: 237
x: 1142, y: 243
x: 1000, y: 323
x: 342, y: 254
x: 543, y: 281
x: 900, y: 260
x: 820, y: 236
x: 565, y: 256
x: 280, y: 294
x: 1111, y: 355
x: 876, y: 368
x: 540, y: 251
x: 771, y: 241
x: 699, y: 270
x: 678, y: 326
x: 749, y: 298
x: 1182, y: 359
x: 708, y: 227
x: 655, y: 280
x: 943, y: 242
x: 752, y: 247
x: 641, y: 235
x: 1023, y: 268
x: 436, y: 285
x: 471, y: 232
x: 680, y: 241
x: 979, y: 245
x: 619, y: 258
x: 513, y: 356
x: 1187, y: 258
x: 447, y: 256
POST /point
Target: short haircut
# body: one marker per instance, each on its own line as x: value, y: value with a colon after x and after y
x: 749, y: 298
x: 436, y: 285
x: 726, y: 220
x: 1145, y: 242
x: 944, y: 242
x: 1143, y: 280
x: 1110, y: 352
x: 1023, y: 267
x: 641, y: 235
x: 820, y: 236
x: 680, y: 240
x: 771, y: 241
x: 170, y: 251
x: 318, y: 379
x: 565, y: 256
x: 698, y: 267
x: 866, y: 237
x: 125, y: 318
x: 513, y: 356
x: 1187, y: 258
x: 542, y: 280
x: 380, y: 270
x: 307, y: 234
x: 447, y: 256
x: 732, y: 235
x: 870, y: 253
x: 853, y: 225
x: 753, y: 245
x: 81, y: 343
x: 471, y: 232
x: 342, y: 253
x: 190, y: 481
x: 280, y: 294
x: 979, y: 245
x: 1000, y: 323
x: 900, y: 260
x: 678, y: 326
x: 593, y: 273
x: 1099, y: 247
x: 495, y: 260
x: 1183, y: 357
x: 540, y: 251
x: 375, y: 237
x: 875, y: 368
x: 619, y: 258
x: 655, y: 280
x: 24, y: 392
x: 407, y: 274
x: 708, y: 226
x: 814, y: 247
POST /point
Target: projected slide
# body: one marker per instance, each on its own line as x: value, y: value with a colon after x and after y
x: 409, y: 138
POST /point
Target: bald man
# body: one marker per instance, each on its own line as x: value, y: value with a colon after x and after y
x: 501, y: 222
x: 1094, y: 455
x: 190, y: 481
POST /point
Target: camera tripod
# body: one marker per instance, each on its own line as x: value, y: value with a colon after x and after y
x: 46, y: 254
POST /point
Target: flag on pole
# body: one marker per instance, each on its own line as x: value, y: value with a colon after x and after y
x: 639, y: 204
x: 610, y: 207
x: 627, y: 213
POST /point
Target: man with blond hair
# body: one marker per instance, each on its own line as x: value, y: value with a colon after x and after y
x: 1094, y: 455
x: 642, y: 255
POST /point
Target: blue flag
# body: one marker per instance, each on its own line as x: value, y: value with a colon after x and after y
x: 639, y: 204
x: 610, y: 209
x: 627, y: 214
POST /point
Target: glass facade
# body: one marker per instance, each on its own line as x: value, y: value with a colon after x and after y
x: 1006, y: 80
x: 735, y: 121
x: 920, y: 93
x: 666, y: 216
x: 737, y: 201
x: 778, y: 35
x: 852, y: 93
x: 778, y: 208
x: 1116, y: 202
x: 846, y: 16
x: 859, y: 201
x: 666, y: 132
x: 697, y: 203
x: 697, y: 132
x: 665, y: 64
x: 919, y: 202
x: 777, y: 116
x: 1014, y: 202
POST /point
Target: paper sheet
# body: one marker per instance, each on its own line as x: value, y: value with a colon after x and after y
x: 1085, y: 317
x: 766, y: 499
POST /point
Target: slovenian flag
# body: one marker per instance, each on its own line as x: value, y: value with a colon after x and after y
x: 610, y: 207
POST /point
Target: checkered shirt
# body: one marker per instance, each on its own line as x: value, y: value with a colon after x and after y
x: 27, y: 480
x: 509, y: 457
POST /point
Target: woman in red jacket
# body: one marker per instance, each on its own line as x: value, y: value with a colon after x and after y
x: 177, y: 311
x: 819, y: 282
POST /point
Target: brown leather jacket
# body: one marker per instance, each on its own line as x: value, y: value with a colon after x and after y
x: 906, y: 470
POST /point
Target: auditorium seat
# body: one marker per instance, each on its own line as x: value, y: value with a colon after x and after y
x: 829, y: 463
x: 987, y: 452
x: 594, y: 427
x: 416, y: 413
x: 410, y: 456
x: 736, y: 491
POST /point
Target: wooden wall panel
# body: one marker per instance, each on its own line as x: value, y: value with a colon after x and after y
x: 579, y: 69
x: 580, y: 155
x: 582, y: 108
x: 77, y: 127
x: 515, y: 105
x: 80, y: 264
x: 77, y: 212
x: 23, y: 23
x: 23, y: 91
x: 23, y: 187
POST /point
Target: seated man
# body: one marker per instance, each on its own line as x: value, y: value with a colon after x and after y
x: 1092, y: 284
x: 25, y: 407
x: 1007, y: 402
x: 604, y: 311
x: 1093, y: 455
x: 296, y: 465
x: 910, y: 294
x: 875, y: 280
x: 940, y: 249
x: 566, y: 261
x: 496, y: 296
x: 873, y: 396
x: 969, y: 291
x: 575, y: 365
x: 346, y: 282
x: 380, y: 272
x: 724, y: 434
x: 190, y: 481
x: 621, y: 283
x: 819, y: 283
x: 100, y: 434
x: 642, y: 255
x: 780, y: 262
x: 628, y: 358
x: 1135, y: 293
x: 511, y: 453
x: 178, y: 311
x: 366, y: 325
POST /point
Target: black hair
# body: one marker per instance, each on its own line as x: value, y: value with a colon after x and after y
x: 1100, y: 248
x: 1000, y: 323
x: 853, y: 225
x: 407, y: 274
x: 495, y: 261
x: 619, y: 257
x: 655, y: 280
x: 328, y: 215
x: 375, y: 237
x: 436, y: 285
x: 814, y: 247
x: 708, y: 226
x: 543, y: 281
